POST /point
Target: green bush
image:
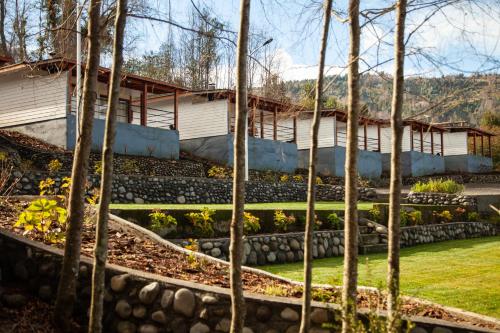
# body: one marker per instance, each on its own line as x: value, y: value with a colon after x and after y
x: 251, y: 223
x: 202, y: 221
x: 438, y: 186
x: 333, y: 221
x: 282, y: 221
x: 160, y: 220
x: 416, y: 217
x: 375, y: 214
x: 284, y: 178
x: 443, y: 217
x: 473, y: 217
x: 46, y: 218
x: 298, y: 178
x: 217, y: 172
x: 54, y: 166
x: 98, y: 167
x: 403, y: 218
x: 319, y: 181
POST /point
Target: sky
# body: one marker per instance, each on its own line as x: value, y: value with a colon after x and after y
x: 456, y: 39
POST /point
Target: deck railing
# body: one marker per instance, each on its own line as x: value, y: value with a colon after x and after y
x: 283, y: 133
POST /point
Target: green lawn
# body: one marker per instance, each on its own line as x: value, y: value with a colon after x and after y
x: 321, y: 205
x: 463, y: 273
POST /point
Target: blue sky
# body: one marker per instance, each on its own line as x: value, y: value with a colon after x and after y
x: 466, y: 38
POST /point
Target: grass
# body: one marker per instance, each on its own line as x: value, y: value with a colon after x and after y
x: 321, y: 205
x: 462, y: 273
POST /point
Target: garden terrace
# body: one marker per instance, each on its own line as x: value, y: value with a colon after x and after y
x: 157, y: 275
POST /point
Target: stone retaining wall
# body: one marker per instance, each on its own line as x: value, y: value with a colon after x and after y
x: 147, y: 303
x: 285, y: 248
x: 145, y: 189
x: 440, y: 199
x: 442, y: 232
x: 276, y: 248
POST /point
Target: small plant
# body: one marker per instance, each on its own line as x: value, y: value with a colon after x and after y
x: 473, y: 217
x: 298, y: 178
x: 46, y: 186
x: 251, y: 223
x: 333, y: 221
x: 192, y: 245
x: 415, y: 217
x: 54, y: 166
x: 284, y: 178
x: 160, y: 220
x: 202, y: 221
x: 98, y: 167
x: 129, y: 166
x: 319, y: 181
x: 276, y: 290
x: 375, y: 214
x: 403, y: 218
x: 438, y: 186
x: 282, y: 221
x: 217, y: 172
x: 44, y: 217
x: 443, y: 217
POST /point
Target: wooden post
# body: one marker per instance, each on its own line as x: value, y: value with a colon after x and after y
x: 421, y: 139
x: 489, y: 146
x: 365, y: 132
x: 482, y: 145
x: 130, y: 113
x: 144, y: 105
x: 295, y: 129
x: 262, y: 124
x: 474, y: 143
x: 379, y: 147
x: 411, y: 137
x: 275, y: 123
x: 432, y: 142
x: 254, y: 106
x: 442, y: 143
x: 176, y: 110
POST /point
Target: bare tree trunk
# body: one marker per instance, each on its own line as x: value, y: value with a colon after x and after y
x: 19, y: 27
x: 3, y: 41
x: 66, y: 293
x: 311, y: 183
x: 67, y: 33
x: 394, y: 322
x: 101, y: 245
x: 349, y: 290
x: 238, y: 310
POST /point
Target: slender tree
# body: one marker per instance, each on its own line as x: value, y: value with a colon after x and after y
x: 67, y: 32
x: 393, y: 322
x: 66, y: 293
x: 349, y: 290
x: 311, y: 184
x: 3, y: 41
x: 238, y: 310
x: 101, y: 245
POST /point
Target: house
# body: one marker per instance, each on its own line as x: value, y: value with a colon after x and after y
x: 39, y: 99
x: 422, y: 149
x: 332, y: 138
x: 467, y: 149
x: 206, y: 128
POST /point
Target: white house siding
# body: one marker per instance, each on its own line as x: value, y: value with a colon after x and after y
x: 455, y: 143
x: 386, y: 134
x: 199, y: 119
x: 385, y: 139
x: 325, y: 134
x: 37, y: 98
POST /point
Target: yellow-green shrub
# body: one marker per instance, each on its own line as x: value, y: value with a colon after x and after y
x: 251, y: 223
x: 217, y: 172
x: 160, y: 220
x: 282, y: 221
x: 54, y: 166
x: 438, y: 186
x: 202, y: 221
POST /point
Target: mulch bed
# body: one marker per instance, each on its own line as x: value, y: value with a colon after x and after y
x: 137, y: 251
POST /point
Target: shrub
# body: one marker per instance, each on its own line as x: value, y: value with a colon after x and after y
x: 54, y: 166
x: 333, y: 221
x: 44, y: 217
x: 46, y: 186
x: 202, y: 221
x: 284, y: 178
x: 375, y: 214
x: 129, y: 166
x: 319, y: 181
x: 217, y: 172
x: 98, y: 167
x: 251, y: 223
x: 444, y: 216
x: 298, y: 178
x: 438, y: 186
x: 282, y: 221
x: 160, y: 220
x: 473, y: 217
x: 416, y: 217
x: 403, y: 218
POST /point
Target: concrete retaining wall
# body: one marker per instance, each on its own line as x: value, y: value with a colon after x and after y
x: 331, y: 162
x: 468, y: 163
x: 131, y: 139
x: 263, y: 154
x: 50, y: 131
x: 415, y: 163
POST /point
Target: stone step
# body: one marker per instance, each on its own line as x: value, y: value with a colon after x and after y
x: 369, y: 239
x: 377, y: 248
